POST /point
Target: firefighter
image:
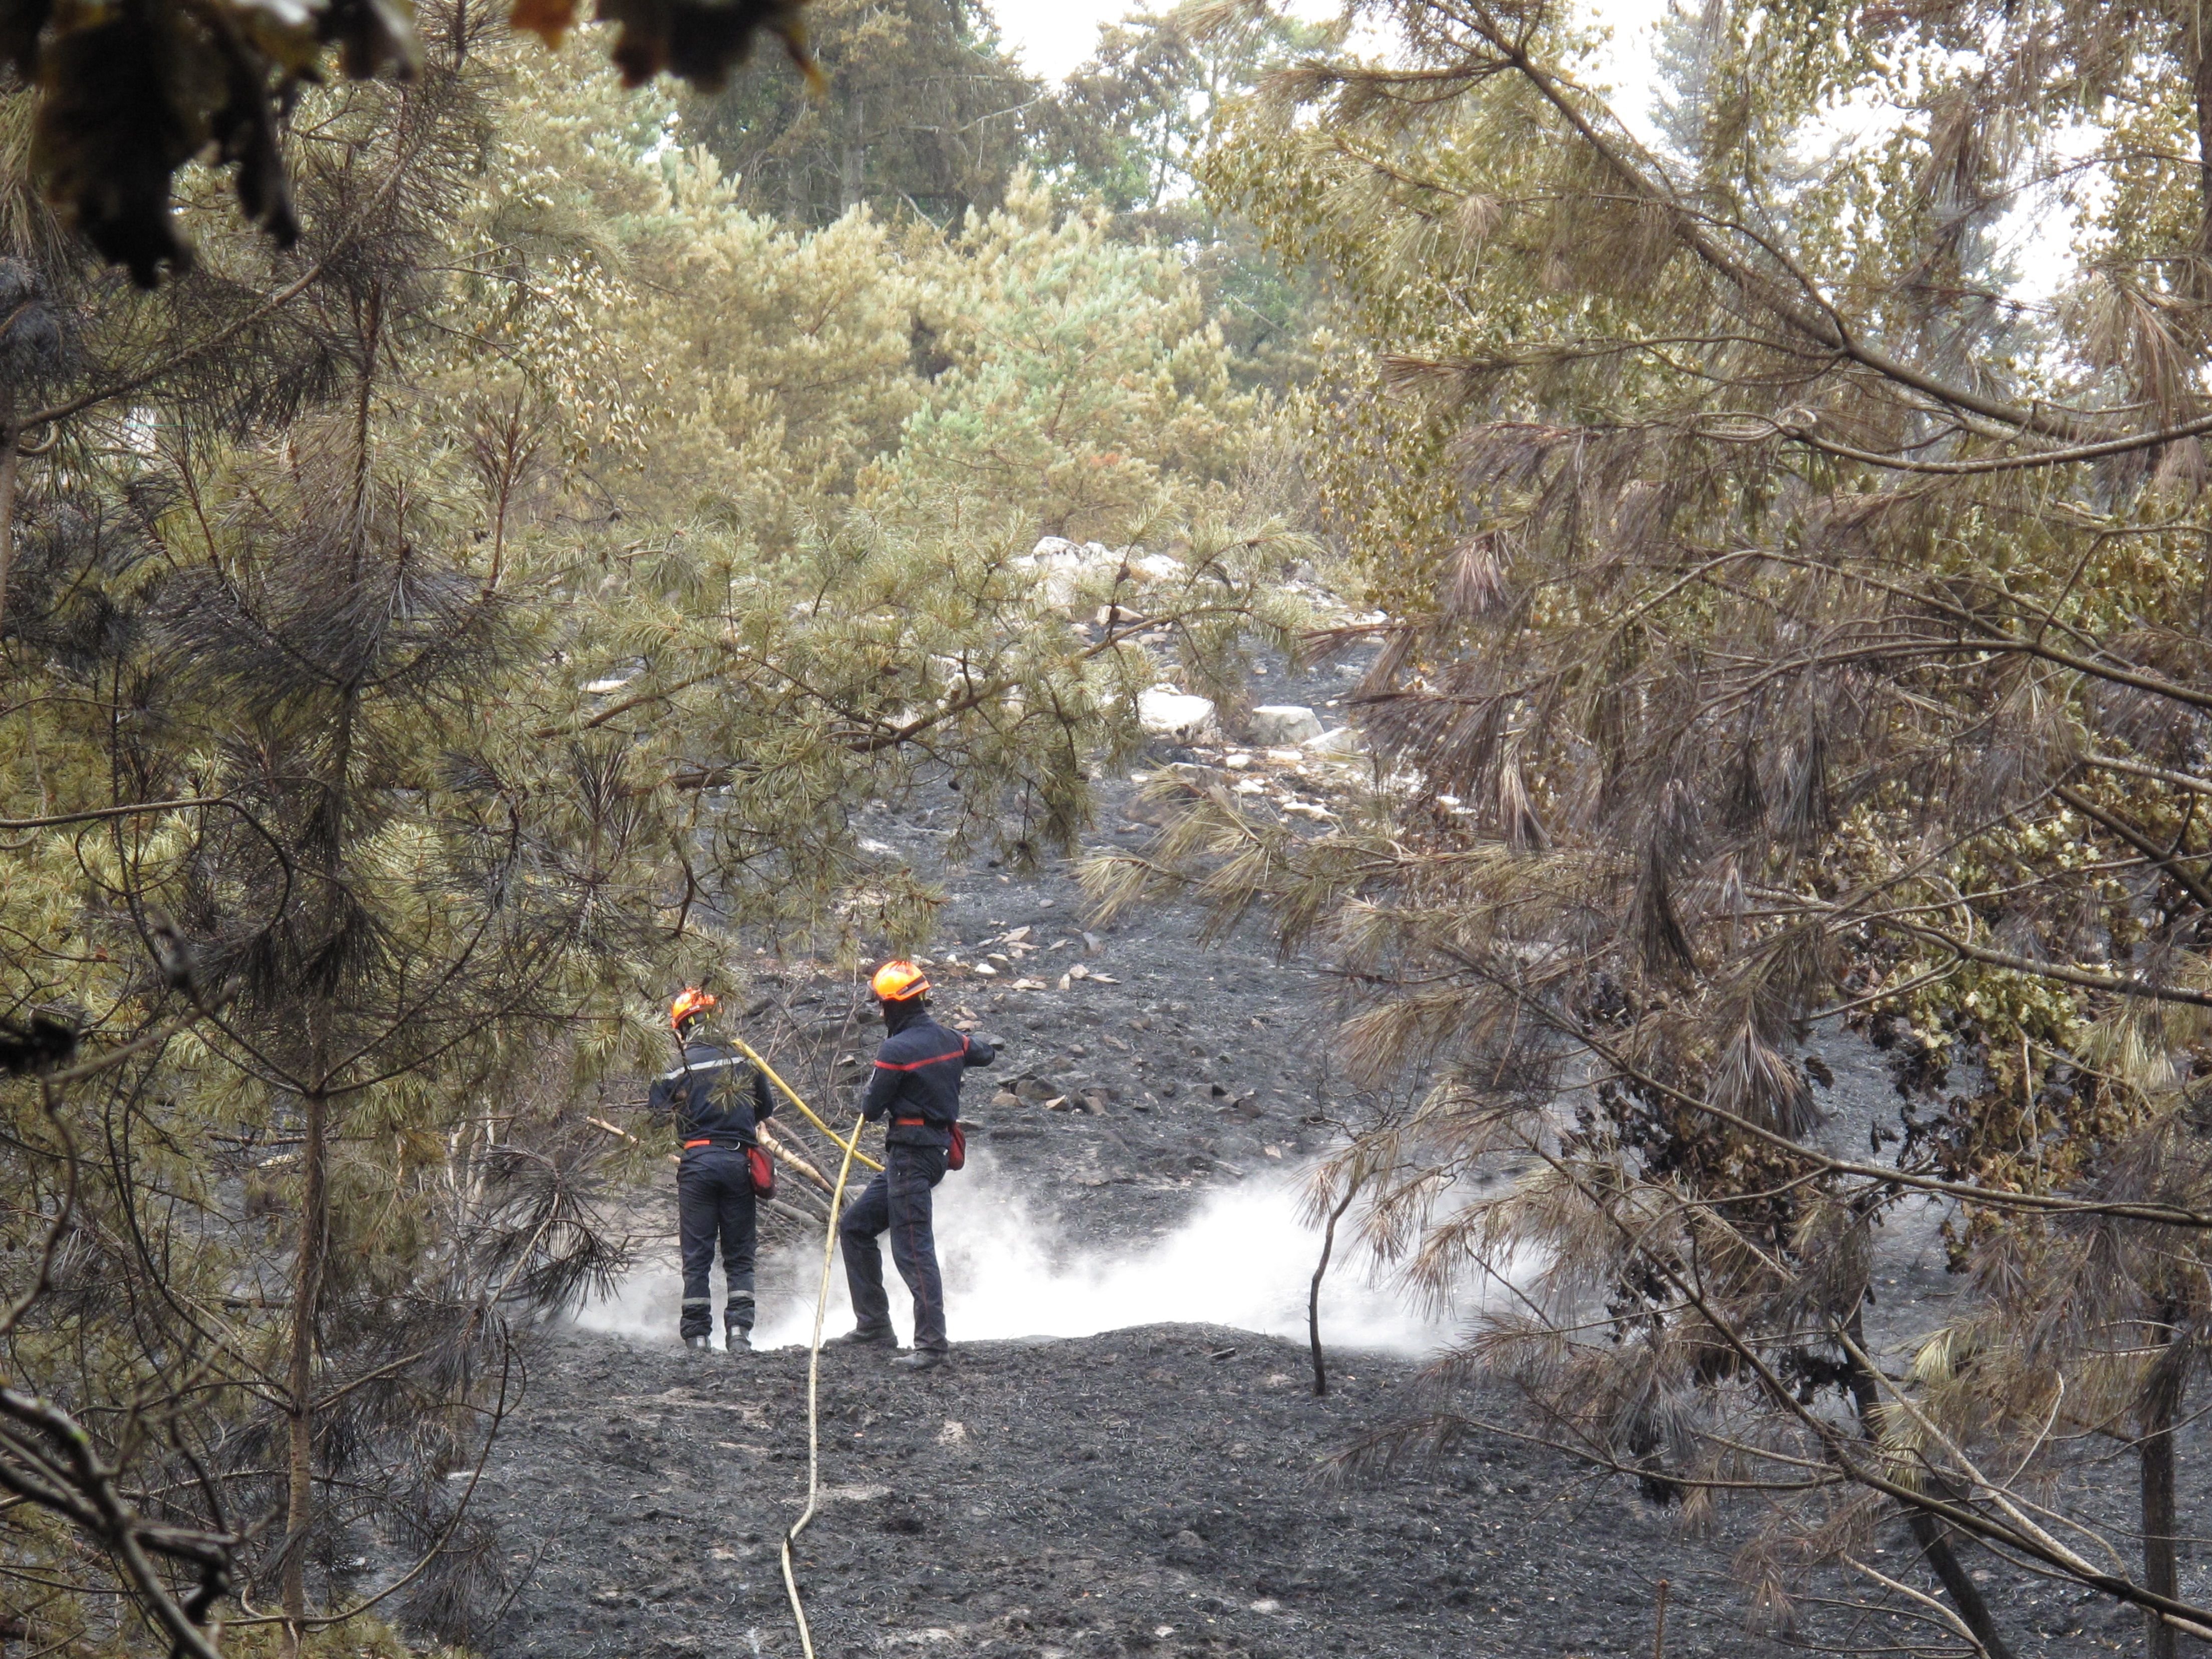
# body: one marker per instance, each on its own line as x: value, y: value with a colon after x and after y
x: 917, y: 1085
x: 718, y: 1096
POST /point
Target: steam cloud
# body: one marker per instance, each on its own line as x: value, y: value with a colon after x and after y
x: 1244, y: 1258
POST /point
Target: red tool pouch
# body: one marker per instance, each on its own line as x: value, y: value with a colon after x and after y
x: 956, y: 1155
x: 762, y: 1168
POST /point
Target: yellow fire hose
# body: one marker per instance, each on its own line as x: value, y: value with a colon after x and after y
x: 852, y: 1148
x: 814, y: 1354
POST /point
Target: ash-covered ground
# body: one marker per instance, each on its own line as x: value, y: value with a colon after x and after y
x: 1156, y: 1491
x: 1116, y: 1461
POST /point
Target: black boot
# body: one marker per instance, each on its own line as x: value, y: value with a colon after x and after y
x: 881, y: 1336
x: 739, y: 1339
x: 700, y: 1344
x: 920, y: 1359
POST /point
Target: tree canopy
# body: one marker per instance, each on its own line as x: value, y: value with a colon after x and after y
x: 418, y: 645
x: 1795, y: 617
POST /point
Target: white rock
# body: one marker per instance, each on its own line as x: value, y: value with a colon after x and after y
x: 1175, y: 715
x: 1284, y: 723
x: 1064, y: 564
x: 1342, y: 741
x: 1156, y: 567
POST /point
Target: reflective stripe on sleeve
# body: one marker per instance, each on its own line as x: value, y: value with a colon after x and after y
x: 697, y: 1067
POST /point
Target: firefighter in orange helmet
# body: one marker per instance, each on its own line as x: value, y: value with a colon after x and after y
x: 718, y: 1096
x: 916, y: 1085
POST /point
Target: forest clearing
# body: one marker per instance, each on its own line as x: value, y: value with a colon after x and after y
x: 1454, y: 758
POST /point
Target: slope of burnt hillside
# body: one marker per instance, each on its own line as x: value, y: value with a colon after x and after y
x: 1156, y: 1492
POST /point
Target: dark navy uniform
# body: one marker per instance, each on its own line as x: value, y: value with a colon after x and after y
x: 917, y: 1085
x: 718, y: 1096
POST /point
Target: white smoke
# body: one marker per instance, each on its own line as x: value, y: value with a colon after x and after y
x: 1243, y: 1258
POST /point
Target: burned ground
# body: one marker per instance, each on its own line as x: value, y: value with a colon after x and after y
x: 1155, y: 1490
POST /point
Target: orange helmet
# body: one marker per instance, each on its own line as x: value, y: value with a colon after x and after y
x: 895, y: 982
x: 689, y: 1003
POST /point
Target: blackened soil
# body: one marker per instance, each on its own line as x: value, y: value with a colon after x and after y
x: 1156, y: 1492
x: 1164, y: 1490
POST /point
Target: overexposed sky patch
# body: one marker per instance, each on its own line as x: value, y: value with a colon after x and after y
x: 1054, y: 37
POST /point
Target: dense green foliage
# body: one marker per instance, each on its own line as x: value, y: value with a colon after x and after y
x: 1791, y: 619
x: 925, y: 114
x: 420, y: 648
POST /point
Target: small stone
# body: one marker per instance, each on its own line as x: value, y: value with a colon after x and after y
x: 1284, y: 723
x: 1164, y: 712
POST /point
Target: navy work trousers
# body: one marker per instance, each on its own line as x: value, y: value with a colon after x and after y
x: 897, y: 1201
x: 714, y: 1201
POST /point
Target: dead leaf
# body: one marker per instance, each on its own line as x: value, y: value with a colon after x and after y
x: 549, y: 20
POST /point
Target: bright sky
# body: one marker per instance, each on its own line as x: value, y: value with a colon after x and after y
x: 1051, y: 37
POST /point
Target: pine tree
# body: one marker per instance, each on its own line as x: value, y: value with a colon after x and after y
x: 925, y: 114
x: 424, y: 644
x: 1787, y: 623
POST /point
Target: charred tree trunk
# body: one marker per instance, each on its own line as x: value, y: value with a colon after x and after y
x: 1313, y: 1296
x: 10, y: 459
x: 306, y: 1291
x: 2199, y: 60
x: 852, y: 157
x: 2161, y: 1409
x: 1931, y: 1535
x: 327, y: 831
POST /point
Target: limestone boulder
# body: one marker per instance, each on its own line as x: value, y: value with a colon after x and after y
x: 1167, y: 714
x: 1280, y: 724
